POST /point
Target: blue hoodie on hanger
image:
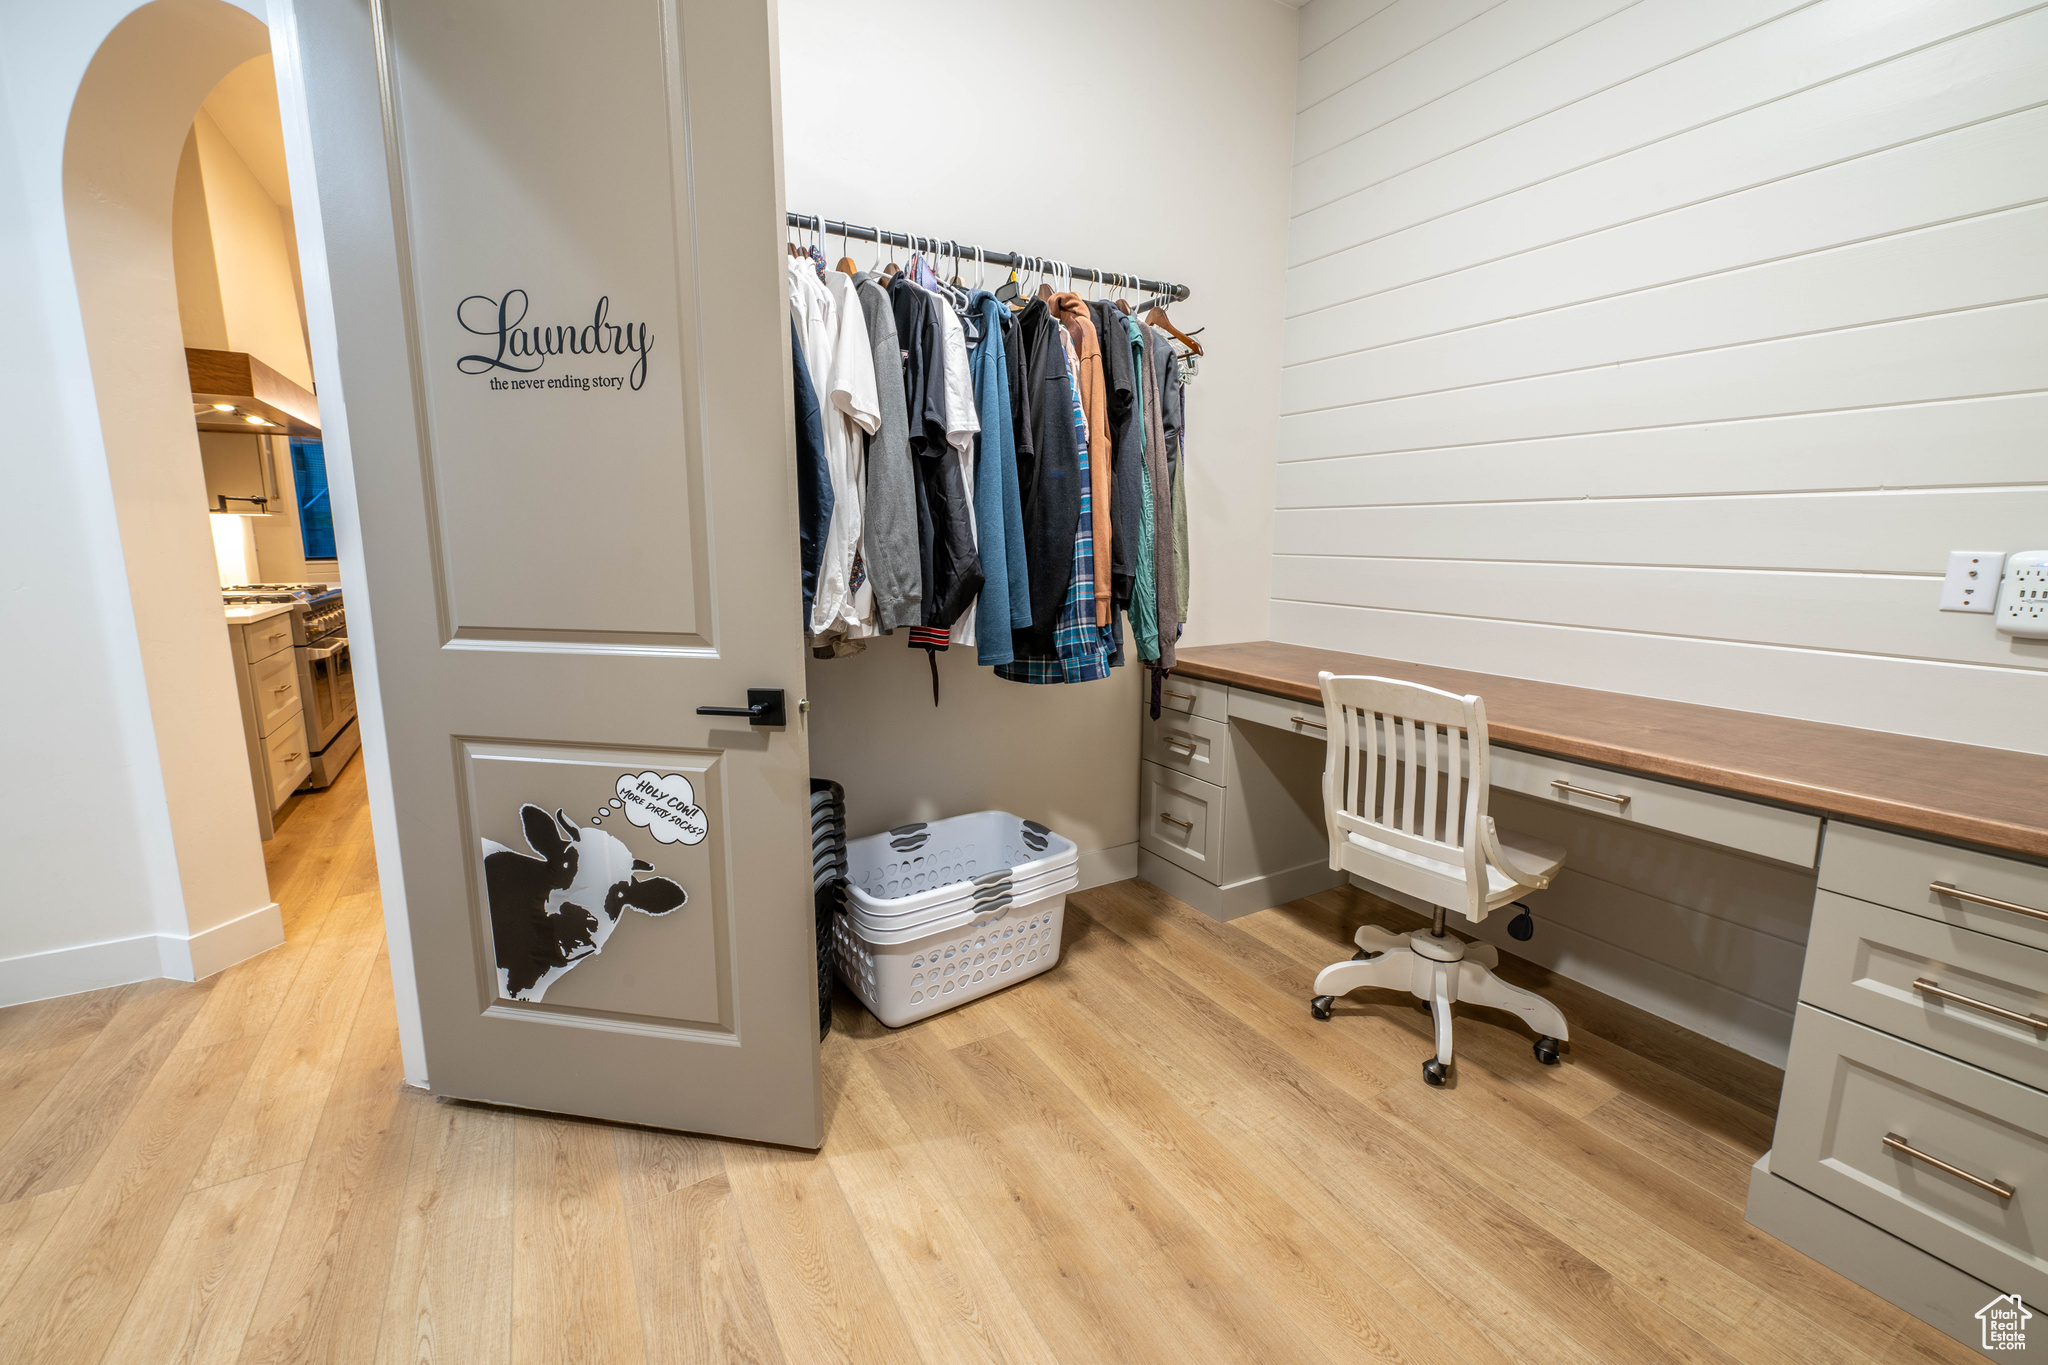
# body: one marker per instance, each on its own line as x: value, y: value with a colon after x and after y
x: 998, y: 503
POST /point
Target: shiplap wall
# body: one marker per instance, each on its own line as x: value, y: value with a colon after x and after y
x: 1668, y: 347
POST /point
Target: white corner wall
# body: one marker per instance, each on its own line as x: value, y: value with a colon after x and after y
x: 119, y: 867
x: 1155, y: 142
x: 1669, y: 347
x: 254, y: 255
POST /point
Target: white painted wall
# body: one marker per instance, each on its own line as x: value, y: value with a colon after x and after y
x: 1153, y: 139
x: 254, y: 252
x: 1669, y: 347
x: 197, y: 274
x: 127, y: 854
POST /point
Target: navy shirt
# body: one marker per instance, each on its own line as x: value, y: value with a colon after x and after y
x: 813, y: 479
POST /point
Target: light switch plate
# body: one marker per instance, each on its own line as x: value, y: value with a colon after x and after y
x: 1972, y: 582
x: 2023, y: 596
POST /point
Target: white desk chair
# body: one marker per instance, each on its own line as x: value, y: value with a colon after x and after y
x: 1404, y: 791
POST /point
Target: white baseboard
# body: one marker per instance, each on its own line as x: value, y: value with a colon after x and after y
x: 1101, y: 866
x: 145, y: 957
x: 87, y: 967
x: 216, y: 949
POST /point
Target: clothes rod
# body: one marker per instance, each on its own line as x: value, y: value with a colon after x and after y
x: 1008, y: 260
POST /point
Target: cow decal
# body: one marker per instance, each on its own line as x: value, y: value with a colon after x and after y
x: 555, y: 907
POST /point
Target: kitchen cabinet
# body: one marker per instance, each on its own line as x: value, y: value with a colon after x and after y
x: 273, y: 712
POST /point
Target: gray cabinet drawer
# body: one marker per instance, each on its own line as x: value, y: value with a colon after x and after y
x: 261, y: 639
x: 1900, y: 871
x: 1181, y: 820
x: 275, y: 685
x: 286, y: 758
x: 1260, y: 708
x: 1786, y: 836
x: 1847, y: 1087
x: 1193, y: 697
x: 1862, y: 961
x: 1189, y: 744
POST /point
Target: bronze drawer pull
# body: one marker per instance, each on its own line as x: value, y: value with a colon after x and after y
x: 1188, y: 825
x: 1935, y: 988
x: 1187, y: 697
x: 1304, y: 720
x: 1620, y: 802
x: 1949, y: 889
x: 1997, y: 1187
x: 1186, y: 746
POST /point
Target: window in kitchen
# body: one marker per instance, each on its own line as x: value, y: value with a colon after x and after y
x: 316, y: 512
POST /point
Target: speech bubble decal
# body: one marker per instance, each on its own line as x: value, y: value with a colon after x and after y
x: 665, y: 807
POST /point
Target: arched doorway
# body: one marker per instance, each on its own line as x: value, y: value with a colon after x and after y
x: 127, y: 127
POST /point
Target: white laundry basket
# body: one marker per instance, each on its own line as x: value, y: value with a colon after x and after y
x: 978, y: 905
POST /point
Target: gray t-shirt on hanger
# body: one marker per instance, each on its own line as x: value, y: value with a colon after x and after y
x: 889, y: 526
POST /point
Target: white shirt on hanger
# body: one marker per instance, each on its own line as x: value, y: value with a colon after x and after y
x: 811, y: 308
x: 852, y: 408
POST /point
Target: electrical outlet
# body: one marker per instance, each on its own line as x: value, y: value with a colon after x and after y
x: 1972, y: 582
x: 2023, y: 596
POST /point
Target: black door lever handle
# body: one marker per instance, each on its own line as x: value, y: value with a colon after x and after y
x: 764, y: 707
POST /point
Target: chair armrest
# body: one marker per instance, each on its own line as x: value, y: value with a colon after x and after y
x: 1490, y: 845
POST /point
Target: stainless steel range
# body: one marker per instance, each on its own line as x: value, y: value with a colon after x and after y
x: 327, y: 681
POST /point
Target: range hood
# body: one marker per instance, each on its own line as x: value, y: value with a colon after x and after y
x: 231, y: 387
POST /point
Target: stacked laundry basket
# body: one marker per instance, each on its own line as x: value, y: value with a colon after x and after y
x: 828, y: 877
x: 937, y: 914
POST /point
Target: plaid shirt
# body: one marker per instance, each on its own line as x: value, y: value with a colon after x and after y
x: 1082, y: 646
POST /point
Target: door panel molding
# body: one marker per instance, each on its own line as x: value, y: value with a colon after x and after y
x: 495, y: 589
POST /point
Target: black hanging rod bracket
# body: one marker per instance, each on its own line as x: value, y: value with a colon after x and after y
x: 1008, y: 260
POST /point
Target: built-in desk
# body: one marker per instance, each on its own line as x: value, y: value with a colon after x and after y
x: 1994, y: 798
x: 1898, y: 894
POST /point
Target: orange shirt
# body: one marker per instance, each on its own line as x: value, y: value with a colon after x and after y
x: 1072, y: 311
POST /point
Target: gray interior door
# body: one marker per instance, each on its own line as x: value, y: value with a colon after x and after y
x: 553, y: 236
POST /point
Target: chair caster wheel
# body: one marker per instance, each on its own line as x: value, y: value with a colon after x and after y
x: 1546, y: 1051
x: 1435, y: 1072
x: 1320, y: 1006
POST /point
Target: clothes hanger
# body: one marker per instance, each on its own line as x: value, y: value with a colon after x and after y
x: 846, y: 265
x: 1157, y: 318
x: 1123, y: 303
x: 890, y: 270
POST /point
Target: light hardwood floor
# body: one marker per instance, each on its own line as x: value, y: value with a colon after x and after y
x: 1149, y: 1154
